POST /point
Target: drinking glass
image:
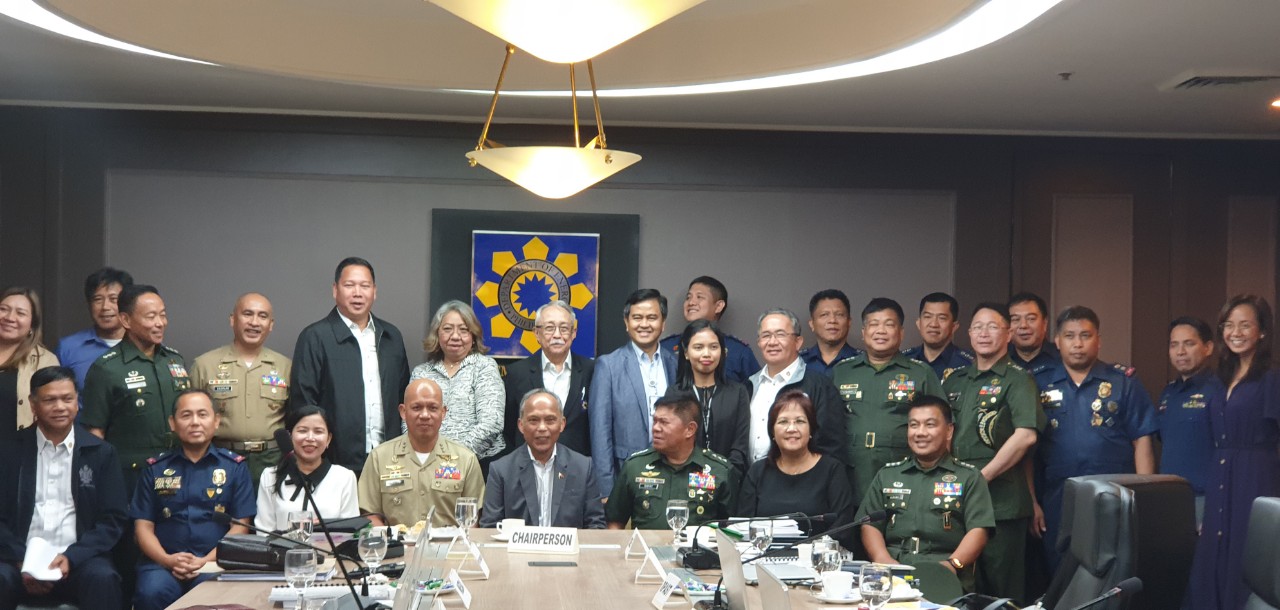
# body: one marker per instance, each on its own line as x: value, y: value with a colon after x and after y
x: 300, y: 570
x: 820, y: 547
x: 876, y: 585
x: 828, y: 561
x: 761, y: 534
x: 677, y: 517
x: 300, y: 525
x: 373, y: 547
x: 466, y: 510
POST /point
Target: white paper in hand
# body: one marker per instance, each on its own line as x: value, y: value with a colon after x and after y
x: 36, y: 562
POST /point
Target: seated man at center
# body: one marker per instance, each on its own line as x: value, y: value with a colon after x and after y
x: 406, y: 476
x: 941, y: 507
x: 673, y: 469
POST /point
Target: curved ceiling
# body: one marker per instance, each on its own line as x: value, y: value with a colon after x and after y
x: 413, y: 44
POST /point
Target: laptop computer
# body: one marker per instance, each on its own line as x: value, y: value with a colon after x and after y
x: 731, y: 569
x: 773, y: 592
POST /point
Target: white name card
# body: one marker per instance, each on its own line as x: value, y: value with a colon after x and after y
x: 463, y: 592
x: 544, y: 540
x: 663, y: 596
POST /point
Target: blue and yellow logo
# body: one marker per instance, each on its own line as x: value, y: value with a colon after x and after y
x: 513, y: 274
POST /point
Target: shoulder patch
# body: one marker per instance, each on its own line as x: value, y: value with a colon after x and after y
x: 715, y: 456
x: 640, y: 452
x: 1124, y: 369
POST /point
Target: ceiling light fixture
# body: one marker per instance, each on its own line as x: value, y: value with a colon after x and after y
x: 988, y: 23
x: 565, y: 31
x: 1275, y: 103
x: 553, y: 172
x: 32, y: 13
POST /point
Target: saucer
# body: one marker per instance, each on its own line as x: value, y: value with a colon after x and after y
x: 501, y: 537
x: 852, y: 598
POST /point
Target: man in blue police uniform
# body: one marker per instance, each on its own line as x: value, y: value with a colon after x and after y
x: 830, y: 321
x: 1029, y: 322
x: 78, y: 351
x: 1100, y: 420
x: 174, y: 503
x: 938, y: 322
x: 1185, y: 442
x: 707, y: 299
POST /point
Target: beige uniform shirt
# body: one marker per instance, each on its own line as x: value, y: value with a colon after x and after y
x: 395, y: 484
x: 251, y: 400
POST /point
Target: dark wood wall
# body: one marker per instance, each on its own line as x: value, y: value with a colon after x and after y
x: 53, y: 163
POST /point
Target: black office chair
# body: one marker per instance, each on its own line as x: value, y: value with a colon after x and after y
x: 1262, y: 555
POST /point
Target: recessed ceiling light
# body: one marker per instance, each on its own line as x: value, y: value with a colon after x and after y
x: 1275, y: 103
x: 31, y: 13
x: 989, y: 23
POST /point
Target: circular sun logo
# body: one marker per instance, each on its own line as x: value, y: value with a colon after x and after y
x: 527, y: 283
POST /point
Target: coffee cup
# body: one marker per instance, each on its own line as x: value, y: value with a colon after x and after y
x: 506, y: 527
x: 837, y: 584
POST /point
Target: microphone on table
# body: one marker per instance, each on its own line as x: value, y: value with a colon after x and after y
x: 284, y: 441
x: 1124, y: 588
x: 873, y: 517
x: 698, y: 557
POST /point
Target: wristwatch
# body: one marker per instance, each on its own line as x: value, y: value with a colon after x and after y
x: 955, y: 563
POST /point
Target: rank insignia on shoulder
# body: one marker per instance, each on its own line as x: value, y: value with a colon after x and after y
x: 152, y: 460
x: 1125, y: 369
x: 502, y: 370
x: 237, y: 457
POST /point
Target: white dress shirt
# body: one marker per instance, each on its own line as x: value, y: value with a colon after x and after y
x: 557, y: 382
x: 54, y: 515
x: 543, y: 472
x: 762, y: 401
x: 368, y: 340
x: 654, y: 378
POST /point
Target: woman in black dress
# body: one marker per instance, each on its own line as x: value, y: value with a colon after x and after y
x: 726, y: 406
x: 794, y: 477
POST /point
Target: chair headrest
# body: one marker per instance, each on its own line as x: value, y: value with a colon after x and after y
x: 1099, y: 519
x: 1261, y: 552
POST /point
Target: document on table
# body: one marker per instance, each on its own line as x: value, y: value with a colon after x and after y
x: 36, y: 562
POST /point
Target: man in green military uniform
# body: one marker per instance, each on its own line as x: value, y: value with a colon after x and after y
x: 940, y: 507
x: 876, y: 387
x: 130, y: 390
x: 249, y: 383
x: 998, y: 417
x: 673, y: 469
x: 407, y: 476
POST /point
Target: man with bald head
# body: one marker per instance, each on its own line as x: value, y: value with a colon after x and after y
x: 249, y: 383
x: 406, y: 476
x: 543, y: 482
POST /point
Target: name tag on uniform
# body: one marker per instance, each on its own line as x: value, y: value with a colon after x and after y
x: 391, y: 476
x: 1051, y: 396
x: 134, y: 382
x: 649, y: 483
x: 393, y: 482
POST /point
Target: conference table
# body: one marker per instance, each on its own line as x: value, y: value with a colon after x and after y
x: 603, y: 578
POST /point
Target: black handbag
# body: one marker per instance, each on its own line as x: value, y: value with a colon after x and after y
x: 253, y: 552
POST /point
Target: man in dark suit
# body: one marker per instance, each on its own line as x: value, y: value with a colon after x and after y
x: 625, y: 385
x: 543, y: 482
x: 554, y: 369
x: 352, y: 364
x: 75, y: 477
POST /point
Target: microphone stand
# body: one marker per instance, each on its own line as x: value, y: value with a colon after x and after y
x: 310, y: 500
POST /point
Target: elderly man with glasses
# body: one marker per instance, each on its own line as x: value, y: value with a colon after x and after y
x: 555, y: 368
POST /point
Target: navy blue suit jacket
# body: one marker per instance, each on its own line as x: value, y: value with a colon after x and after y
x: 97, y: 488
x: 524, y: 375
x: 620, y: 411
x: 511, y: 491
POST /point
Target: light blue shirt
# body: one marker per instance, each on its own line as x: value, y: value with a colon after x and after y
x: 654, y: 378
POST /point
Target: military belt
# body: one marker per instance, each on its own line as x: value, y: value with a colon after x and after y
x: 871, y: 440
x: 246, y: 446
x: 915, y: 546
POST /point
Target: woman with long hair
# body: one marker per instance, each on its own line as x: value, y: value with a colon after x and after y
x: 1246, y: 458
x: 21, y: 353
x: 332, y: 486
x: 726, y: 405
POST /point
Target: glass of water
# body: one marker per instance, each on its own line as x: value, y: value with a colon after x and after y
x: 373, y: 548
x: 300, y: 570
x: 761, y: 535
x: 876, y: 585
x: 677, y: 517
x: 300, y: 525
x: 466, y: 510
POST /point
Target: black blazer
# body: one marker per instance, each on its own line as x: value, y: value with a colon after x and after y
x: 730, y: 423
x: 523, y: 375
x: 327, y: 373
x: 97, y: 488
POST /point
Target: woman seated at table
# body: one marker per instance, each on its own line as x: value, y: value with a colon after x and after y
x: 726, y: 406
x: 795, y: 477
x: 333, y: 486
